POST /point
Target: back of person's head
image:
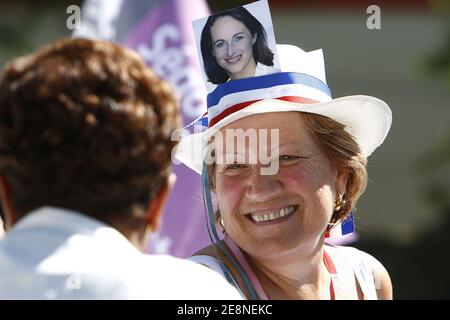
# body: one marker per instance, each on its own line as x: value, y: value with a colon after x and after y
x: 85, y: 125
x: 261, y: 52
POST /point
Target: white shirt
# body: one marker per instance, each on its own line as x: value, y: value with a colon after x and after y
x: 53, y: 253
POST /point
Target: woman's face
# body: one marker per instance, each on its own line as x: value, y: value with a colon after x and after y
x: 269, y: 216
x: 232, y: 45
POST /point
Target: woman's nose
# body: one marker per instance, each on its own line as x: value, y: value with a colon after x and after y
x: 263, y: 187
x: 230, y: 50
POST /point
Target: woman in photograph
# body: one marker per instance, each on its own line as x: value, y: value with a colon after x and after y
x: 234, y: 46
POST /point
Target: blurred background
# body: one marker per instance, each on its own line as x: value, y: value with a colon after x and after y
x: 403, y: 218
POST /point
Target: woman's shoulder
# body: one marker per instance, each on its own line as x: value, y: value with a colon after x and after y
x: 365, y: 262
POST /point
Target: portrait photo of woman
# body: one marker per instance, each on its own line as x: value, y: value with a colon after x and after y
x: 234, y: 45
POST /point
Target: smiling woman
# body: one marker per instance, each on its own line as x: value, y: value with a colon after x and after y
x: 234, y: 46
x: 270, y: 215
x: 275, y: 225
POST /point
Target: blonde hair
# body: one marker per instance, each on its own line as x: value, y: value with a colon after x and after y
x: 343, y: 151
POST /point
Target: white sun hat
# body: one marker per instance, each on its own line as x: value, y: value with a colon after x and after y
x: 300, y: 86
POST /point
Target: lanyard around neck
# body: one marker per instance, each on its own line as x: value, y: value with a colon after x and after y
x: 333, y: 273
x: 254, y: 280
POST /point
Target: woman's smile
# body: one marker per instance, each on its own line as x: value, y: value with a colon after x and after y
x: 234, y: 60
x: 270, y: 217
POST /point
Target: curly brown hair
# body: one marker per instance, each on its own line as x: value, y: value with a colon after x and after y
x: 85, y: 125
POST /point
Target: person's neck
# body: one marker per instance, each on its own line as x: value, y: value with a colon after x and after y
x: 247, y: 72
x: 298, y: 275
x: 137, y: 237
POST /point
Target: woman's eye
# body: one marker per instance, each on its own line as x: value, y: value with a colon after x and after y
x: 237, y: 38
x: 288, y: 158
x: 219, y: 44
x: 235, y: 166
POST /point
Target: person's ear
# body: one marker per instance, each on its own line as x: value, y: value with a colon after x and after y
x: 341, y: 179
x: 156, y: 205
x: 6, y: 202
x: 255, y: 37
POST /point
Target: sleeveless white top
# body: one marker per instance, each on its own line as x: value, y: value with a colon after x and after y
x: 359, y: 260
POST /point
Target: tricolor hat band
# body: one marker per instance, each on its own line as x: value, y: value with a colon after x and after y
x: 235, y: 95
x: 242, y: 105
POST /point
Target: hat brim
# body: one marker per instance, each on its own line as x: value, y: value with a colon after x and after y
x: 367, y: 119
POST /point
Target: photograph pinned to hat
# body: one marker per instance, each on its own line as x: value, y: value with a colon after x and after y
x: 236, y: 43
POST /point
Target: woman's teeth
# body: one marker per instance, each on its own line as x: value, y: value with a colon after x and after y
x: 273, y: 216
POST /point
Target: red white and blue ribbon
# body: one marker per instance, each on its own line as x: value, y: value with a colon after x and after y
x: 235, y: 95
